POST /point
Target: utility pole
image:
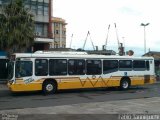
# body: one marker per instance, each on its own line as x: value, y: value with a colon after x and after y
x: 71, y: 40
x: 144, y: 26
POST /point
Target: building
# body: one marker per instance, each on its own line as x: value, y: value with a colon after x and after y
x: 59, y: 32
x: 42, y: 10
x: 156, y: 56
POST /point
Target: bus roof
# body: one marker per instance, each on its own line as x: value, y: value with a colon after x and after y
x: 82, y: 55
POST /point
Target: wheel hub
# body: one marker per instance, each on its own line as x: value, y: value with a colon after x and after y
x: 125, y: 84
x: 49, y: 87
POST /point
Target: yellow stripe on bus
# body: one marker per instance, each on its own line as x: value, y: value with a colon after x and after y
x: 76, y: 82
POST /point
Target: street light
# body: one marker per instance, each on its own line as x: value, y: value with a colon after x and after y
x: 144, y: 25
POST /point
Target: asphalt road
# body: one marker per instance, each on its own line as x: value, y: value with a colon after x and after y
x: 37, y: 99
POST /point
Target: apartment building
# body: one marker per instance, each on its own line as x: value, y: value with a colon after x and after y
x: 42, y: 10
x: 59, y: 32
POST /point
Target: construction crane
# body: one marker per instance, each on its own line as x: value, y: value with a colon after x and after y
x: 88, y: 34
x: 117, y: 35
x: 120, y: 45
x: 107, y: 38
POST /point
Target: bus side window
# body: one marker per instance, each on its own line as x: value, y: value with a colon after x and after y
x: 139, y: 65
x: 125, y: 65
x: 76, y: 67
x: 110, y: 66
x: 81, y: 67
x: 94, y: 67
x: 41, y: 67
x: 57, y: 67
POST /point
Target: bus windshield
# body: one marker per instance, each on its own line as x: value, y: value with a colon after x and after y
x: 23, y: 69
x: 10, y: 70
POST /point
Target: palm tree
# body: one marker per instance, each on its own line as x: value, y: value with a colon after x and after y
x: 16, y: 27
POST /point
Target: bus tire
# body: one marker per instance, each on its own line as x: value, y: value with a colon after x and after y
x: 49, y: 87
x: 124, y: 84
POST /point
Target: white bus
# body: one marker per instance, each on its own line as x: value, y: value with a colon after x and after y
x: 52, y: 71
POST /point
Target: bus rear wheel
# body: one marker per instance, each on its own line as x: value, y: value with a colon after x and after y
x: 124, y: 84
x: 49, y: 87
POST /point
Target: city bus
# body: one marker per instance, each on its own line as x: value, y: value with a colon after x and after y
x: 52, y: 71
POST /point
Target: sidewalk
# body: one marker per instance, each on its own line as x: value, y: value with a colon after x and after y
x: 133, y: 106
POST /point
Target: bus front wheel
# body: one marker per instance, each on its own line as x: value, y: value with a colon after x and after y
x: 124, y: 84
x: 49, y: 87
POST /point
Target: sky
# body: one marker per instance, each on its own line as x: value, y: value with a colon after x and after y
x: 96, y: 15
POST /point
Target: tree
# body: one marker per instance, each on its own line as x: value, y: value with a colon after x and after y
x: 130, y: 52
x: 16, y: 27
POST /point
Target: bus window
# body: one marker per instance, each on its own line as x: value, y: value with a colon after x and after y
x: 23, y: 69
x: 110, y: 66
x: 94, y: 67
x: 125, y: 65
x: 57, y: 67
x: 76, y: 67
x: 41, y: 67
x: 147, y: 65
x: 139, y: 65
